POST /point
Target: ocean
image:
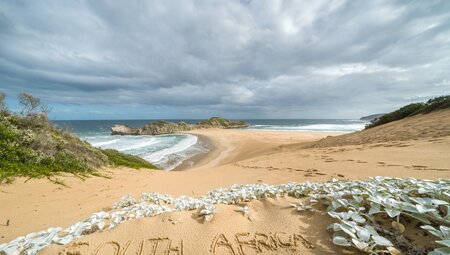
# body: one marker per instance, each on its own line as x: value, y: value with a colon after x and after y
x: 169, y: 151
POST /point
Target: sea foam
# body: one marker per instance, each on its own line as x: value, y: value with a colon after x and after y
x: 174, y: 155
x: 313, y: 127
x: 165, y: 151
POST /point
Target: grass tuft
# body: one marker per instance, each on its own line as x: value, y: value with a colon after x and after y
x: 117, y: 158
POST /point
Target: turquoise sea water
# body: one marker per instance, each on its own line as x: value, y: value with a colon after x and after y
x: 168, y: 151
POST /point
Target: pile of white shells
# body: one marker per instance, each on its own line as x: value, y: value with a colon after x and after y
x: 351, y: 203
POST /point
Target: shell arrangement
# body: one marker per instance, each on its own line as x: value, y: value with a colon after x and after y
x: 353, y: 204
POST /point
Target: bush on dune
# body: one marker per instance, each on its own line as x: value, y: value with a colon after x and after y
x: 31, y: 146
x: 120, y: 159
x: 409, y: 110
x: 403, y: 112
x: 437, y: 103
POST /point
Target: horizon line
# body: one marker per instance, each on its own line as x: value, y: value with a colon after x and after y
x: 207, y: 118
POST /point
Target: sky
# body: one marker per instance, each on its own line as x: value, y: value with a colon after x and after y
x: 111, y: 59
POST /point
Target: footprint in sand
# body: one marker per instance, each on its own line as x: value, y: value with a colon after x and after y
x: 338, y: 175
x: 439, y: 169
x: 312, y: 172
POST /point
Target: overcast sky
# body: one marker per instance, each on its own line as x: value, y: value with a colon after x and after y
x: 238, y: 59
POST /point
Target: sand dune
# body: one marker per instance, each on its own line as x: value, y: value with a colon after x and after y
x: 416, y: 147
x: 429, y: 127
x: 275, y: 229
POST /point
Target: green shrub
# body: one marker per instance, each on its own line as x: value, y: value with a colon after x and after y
x: 431, y: 105
x: 117, y: 158
x: 437, y: 103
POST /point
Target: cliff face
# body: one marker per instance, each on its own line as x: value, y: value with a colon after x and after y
x: 165, y: 127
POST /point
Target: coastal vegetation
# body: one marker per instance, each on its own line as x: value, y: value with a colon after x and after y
x: 217, y: 122
x: 117, y: 158
x: 434, y: 104
x: 31, y: 146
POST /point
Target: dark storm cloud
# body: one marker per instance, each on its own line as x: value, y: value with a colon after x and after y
x: 238, y: 58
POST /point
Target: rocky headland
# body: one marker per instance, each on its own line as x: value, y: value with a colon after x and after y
x: 161, y: 127
x: 372, y: 117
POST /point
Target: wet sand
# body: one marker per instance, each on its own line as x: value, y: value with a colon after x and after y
x: 199, y: 159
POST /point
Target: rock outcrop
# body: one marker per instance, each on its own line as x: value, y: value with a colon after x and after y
x: 161, y: 127
x: 216, y: 122
x: 164, y: 127
x: 371, y: 117
x: 123, y: 129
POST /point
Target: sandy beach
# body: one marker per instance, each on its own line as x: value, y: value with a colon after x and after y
x: 224, y: 128
x: 236, y: 157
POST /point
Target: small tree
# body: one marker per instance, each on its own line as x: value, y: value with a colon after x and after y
x: 3, y: 108
x: 31, y: 104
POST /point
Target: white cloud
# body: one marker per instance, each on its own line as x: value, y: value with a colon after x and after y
x: 355, y: 68
x: 240, y: 58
